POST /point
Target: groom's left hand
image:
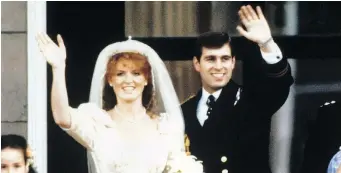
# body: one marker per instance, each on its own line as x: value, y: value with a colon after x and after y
x: 257, y: 28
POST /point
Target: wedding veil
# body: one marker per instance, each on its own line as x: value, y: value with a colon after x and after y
x: 166, y: 99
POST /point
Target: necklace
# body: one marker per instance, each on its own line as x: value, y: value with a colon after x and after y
x: 133, y: 119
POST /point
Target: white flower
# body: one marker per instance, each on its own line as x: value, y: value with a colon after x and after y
x: 182, y: 163
x: 30, y: 156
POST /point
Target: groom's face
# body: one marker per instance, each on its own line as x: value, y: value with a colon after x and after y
x: 215, y: 67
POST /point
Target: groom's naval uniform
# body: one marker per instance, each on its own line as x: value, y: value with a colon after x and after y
x: 229, y: 130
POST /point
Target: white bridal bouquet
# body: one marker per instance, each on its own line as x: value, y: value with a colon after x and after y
x: 182, y: 163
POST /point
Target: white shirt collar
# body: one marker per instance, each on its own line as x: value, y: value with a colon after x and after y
x: 202, y: 107
x: 205, y: 94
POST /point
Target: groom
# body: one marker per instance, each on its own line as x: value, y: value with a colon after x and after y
x: 227, y: 125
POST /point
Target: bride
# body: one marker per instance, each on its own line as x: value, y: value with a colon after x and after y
x: 133, y: 122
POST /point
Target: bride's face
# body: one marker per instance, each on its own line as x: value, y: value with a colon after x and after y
x: 128, y: 81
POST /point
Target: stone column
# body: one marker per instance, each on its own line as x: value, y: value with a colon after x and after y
x: 13, y: 68
x: 37, y: 85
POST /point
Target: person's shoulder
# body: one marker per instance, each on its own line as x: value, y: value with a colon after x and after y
x: 188, y: 101
x: 329, y: 104
x: 332, y: 107
x: 92, y: 110
x: 90, y: 107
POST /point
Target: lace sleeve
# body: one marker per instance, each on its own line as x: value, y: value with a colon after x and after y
x: 85, y: 124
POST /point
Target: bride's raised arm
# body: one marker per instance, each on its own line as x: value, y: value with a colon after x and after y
x: 55, y: 55
x: 78, y: 123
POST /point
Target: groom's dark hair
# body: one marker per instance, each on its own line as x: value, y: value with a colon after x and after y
x: 211, y: 40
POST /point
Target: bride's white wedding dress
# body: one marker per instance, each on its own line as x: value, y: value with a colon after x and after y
x: 113, y: 151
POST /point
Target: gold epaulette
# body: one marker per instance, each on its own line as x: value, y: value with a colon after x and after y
x: 191, y: 96
x: 187, y: 144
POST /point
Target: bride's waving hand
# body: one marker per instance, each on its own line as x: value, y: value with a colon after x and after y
x: 54, y: 54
